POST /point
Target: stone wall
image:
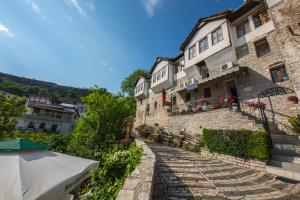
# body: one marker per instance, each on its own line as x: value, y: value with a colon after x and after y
x: 285, y: 15
x: 139, y: 185
x: 193, y: 124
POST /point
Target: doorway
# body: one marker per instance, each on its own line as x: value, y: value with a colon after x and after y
x: 232, y: 90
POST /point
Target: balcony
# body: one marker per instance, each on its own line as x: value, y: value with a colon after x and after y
x: 162, y: 79
x: 141, y: 88
x: 203, y: 105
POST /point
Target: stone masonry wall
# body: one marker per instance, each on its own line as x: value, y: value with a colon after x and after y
x: 193, y: 124
x: 278, y: 109
x: 284, y: 15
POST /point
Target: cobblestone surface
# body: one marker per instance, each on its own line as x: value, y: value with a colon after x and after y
x: 185, y: 175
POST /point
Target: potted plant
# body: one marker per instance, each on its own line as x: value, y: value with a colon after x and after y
x: 293, y: 99
x: 257, y: 105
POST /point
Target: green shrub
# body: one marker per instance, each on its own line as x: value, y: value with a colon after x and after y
x: 116, y: 165
x: 295, y: 123
x: 240, y: 143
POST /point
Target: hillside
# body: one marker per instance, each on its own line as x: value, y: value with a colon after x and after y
x: 24, y: 86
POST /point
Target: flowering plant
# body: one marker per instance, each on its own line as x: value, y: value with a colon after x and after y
x: 230, y: 99
x: 293, y: 99
x: 257, y: 105
x: 125, y: 140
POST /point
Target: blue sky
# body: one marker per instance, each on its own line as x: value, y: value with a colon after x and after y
x: 83, y: 43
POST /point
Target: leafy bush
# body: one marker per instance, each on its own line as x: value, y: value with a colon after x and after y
x: 105, y: 118
x: 116, y: 165
x: 10, y: 107
x: 295, y: 123
x: 241, y: 143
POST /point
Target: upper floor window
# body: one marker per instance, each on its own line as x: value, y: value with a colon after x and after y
x: 242, y: 28
x: 217, y: 36
x: 262, y: 47
x: 261, y: 18
x: 278, y: 73
x: 158, y: 76
x: 203, y: 45
x: 164, y: 72
x: 154, y: 78
x: 242, y: 51
x: 205, y: 73
x: 192, y: 52
x: 206, y: 92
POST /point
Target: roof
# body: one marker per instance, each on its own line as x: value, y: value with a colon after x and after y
x: 199, y: 24
x: 158, y: 60
x: 228, y: 14
x: 52, y: 107
x: 21, y: 144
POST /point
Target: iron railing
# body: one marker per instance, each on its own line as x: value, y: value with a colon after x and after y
x: 200, y: 105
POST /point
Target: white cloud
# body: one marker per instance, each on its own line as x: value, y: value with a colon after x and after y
x: 37, y: 10
x: 150, y: 6
x: 69, y: 18
x: 90, y: 5
x: 75, y: 5
x: 103, y: 63
x: 4, y: 31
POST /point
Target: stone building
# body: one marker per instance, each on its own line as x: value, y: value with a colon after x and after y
x: 237, y: 57
x: 237, y: 69
x: 46, y: 113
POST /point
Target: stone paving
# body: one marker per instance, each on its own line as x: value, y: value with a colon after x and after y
x: 186, y: 175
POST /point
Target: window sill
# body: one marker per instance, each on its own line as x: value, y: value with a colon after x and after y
x: 264, y: 56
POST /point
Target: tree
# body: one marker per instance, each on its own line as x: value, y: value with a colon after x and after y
x: 106, y: 116
x: 128, y: 84
x: 10, y: 107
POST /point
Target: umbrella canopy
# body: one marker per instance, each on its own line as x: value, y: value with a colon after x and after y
x: 39, y: 174
x: 21, y: 144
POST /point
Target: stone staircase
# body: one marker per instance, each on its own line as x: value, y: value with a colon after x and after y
x: 183, y: 175
x: 285, y: 160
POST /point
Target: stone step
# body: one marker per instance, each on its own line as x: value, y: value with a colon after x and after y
x: 284, y: 169
x: 285, y: 139
x: 285, y: 158
x: 286, y: 149
x: 188, y: 184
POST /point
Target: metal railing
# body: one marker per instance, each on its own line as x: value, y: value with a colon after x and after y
x: 200, y: 105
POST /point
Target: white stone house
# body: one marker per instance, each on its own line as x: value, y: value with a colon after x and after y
x: 44, y: 113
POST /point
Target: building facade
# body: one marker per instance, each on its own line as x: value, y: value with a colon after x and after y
x: 48, y: 114
x: 245, y: 59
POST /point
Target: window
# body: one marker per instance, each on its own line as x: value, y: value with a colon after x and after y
x: 261, y: 18
x: 188, y: 97
x: 141, y: 102
x: 59, y: 115
x: 155, y: 105
x: 242, y: 29
x: 158, y: 76
x: 164, y: 72
x: 205, y: 73
x: 192, y: 52
x: 148, y: 108
x: 154, y: 78
x: 278, y: 73
x: 217, y: 36
x: 42, y: 126
x: 54, y: 128
x: 174, y: 101
x: 262, y: 48
x: 207, y: 93
x: 203, y: 45
x: 242, y: 51
x: 30, y: 124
